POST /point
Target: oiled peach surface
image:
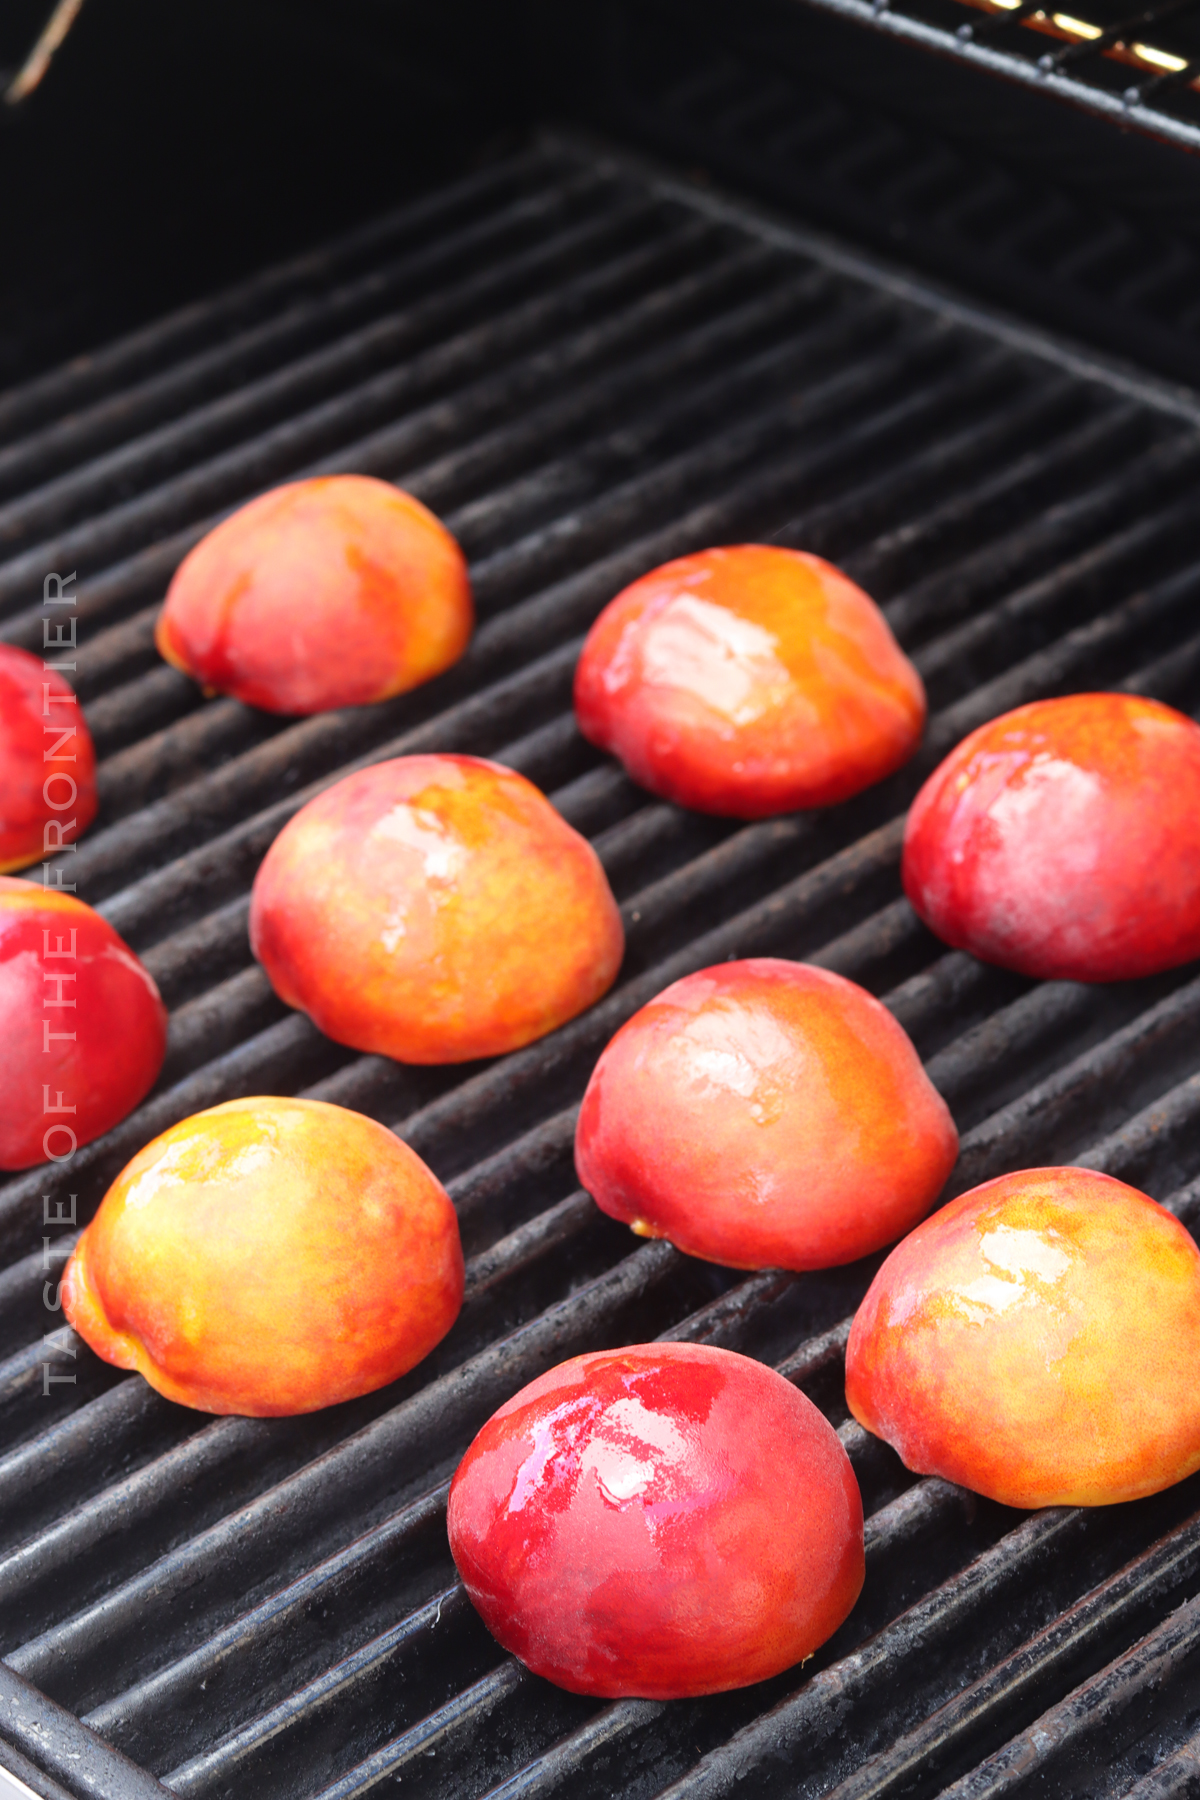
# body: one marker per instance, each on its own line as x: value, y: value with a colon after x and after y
x: 765, y: 1114
x: 47, y: 763
x: 82, y: 1029
x: 269, y: 1256
x: 1061, y: 840
x: 665, y: 1520
x: 329, y: 592
x: 747, y: 681
x: 1037, y: 1340
x: 435, y: 909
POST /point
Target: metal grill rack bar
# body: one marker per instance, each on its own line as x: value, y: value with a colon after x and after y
x: 586, y: 369
x: 1152, y: 93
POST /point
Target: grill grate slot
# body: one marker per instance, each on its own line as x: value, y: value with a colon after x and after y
x: 587, y: 371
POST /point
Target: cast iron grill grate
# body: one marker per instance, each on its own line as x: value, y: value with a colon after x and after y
x: 586, y: 369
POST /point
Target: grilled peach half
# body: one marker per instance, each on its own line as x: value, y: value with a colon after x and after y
x: 47, y: 762
x: 329, y: 592
x: 765, y: 1114
x: 435, y: 909
x: 665, y: 1520
x: 1037, y: 1340
x: 749, y: 680
x: 83, y: 1031
x: 268, y: 1256
x: 1060, y: 840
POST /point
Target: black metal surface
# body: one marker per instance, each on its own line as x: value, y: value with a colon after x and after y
x: 173, y: 150
x: 586, y: 369
x: 882, y: 121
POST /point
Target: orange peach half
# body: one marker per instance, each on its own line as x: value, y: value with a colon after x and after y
x: 268, y: 1256
x: 1037, y: 1340
x: 434, y: 909
x: 330, y: 592
x: 749, y: 680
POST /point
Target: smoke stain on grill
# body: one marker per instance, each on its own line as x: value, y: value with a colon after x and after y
x: 588, y: 370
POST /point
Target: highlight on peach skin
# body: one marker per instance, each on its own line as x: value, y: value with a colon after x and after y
x: 665, y: 1520
x: 765, y: 1114
x: 435, y: 909
x: 330, y: 592
x: 83, y: 1031
x: 1060, y: 840
x: 1037, y: 1340
x: 747, y: 681
x: 268, y: 1256
x: 47, y: 763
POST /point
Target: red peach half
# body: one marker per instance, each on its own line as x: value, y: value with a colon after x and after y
x: 665, y: 1520
x: 1060, y: 840
x: 83, y: 1031
x: 47, y: 762
x: 765, y: 1114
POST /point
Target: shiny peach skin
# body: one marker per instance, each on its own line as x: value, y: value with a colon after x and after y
x: 748, y: 681
x: 330, y: 592
x: 665, y: 1520
x: 109, y: 1036
x: 268, y: 1256
x: 765, y: 1114
x: 1037, y: 1340
x: 434, y: 909
x: 1060, y: 840
x: 32, y: 722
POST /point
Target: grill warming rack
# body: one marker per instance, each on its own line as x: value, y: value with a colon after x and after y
x: 586, y: 368
x: 1137, y: 67
x: 869, y: 120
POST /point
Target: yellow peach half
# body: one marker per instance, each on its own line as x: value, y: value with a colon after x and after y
x: 268, y: 1256
x: 1037, y: 1340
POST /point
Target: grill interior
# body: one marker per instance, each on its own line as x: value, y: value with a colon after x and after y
x: 872, y: 118
x: 585, y: 368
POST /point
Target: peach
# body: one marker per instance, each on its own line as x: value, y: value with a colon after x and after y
x: 1060, y: 840
x: 82, y: 1029
x: 434, y: 909
x: 268, y: 1256
x: 748, y: 681
x: 47, y: 763
x: 330, y: 592
x: 765, y: 1114
x: 665, y: 1520
x: 1037, y: 1340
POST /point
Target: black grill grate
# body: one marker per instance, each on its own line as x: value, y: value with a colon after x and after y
x: 586, y: 369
